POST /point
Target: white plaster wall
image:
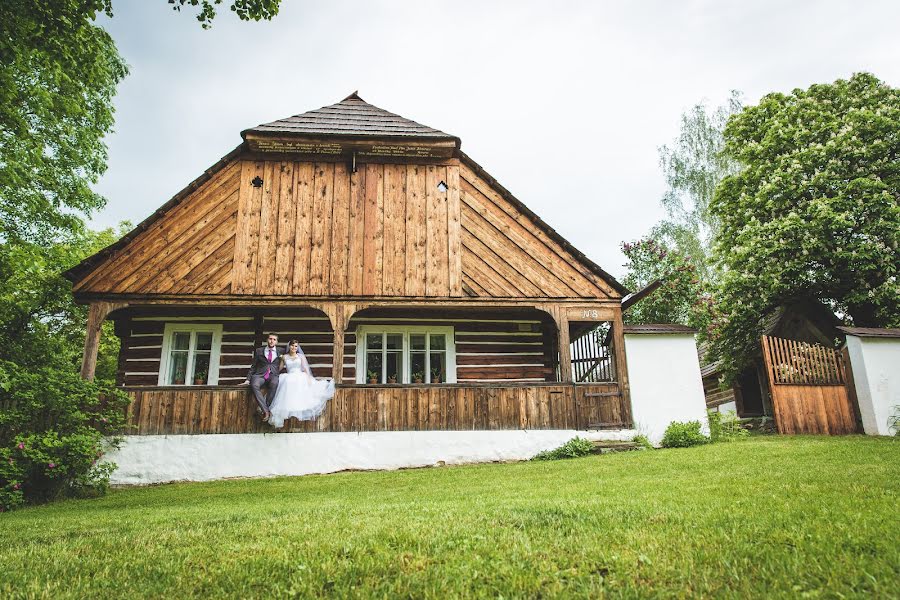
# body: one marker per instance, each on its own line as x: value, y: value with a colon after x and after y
x: 159, y: 458
x: 727, y: 407
x: 666, y: 386
x: 876, y: 374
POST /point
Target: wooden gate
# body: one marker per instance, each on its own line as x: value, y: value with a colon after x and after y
x: 807, y: 383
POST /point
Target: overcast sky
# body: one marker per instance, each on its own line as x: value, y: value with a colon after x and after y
x: 565, y: 103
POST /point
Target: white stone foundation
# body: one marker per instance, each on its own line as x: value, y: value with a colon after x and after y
x: 162, y: 458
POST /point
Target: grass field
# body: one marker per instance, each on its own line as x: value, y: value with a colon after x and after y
x: 771, y: 516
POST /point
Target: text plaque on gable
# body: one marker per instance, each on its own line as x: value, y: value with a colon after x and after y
x: 590, y: 313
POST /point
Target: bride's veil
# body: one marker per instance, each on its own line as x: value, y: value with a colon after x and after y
x: 303, y: 362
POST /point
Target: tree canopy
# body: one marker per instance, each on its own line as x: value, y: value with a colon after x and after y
x: 58, y: 76
x: 693, y: 166
x: 813, y: 213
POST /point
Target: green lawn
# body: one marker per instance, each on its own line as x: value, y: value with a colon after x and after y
x: 771, y: 516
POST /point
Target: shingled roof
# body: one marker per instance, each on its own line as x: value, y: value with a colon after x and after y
x: 352, y: 117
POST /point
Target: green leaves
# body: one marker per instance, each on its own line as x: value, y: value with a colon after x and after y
x: 814, y: 213
x: 683, y: 297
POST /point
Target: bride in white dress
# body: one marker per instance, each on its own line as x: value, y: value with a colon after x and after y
x: 299, y: 394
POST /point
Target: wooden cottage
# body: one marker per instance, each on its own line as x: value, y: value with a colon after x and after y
x: 431, y: 294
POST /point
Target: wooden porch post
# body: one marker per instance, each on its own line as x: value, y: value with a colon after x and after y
x: 561, y: 318
x: 97, y: 313
x: 621, y: 370
x: 337, y: 367
x: 339, y: 314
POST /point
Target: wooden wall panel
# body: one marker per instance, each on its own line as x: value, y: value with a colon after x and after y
x: 394, y: 230
x: 373, y: 234
x: 386, y: 408
x: 287, y: 229
x: 416, y: 231
x: 318, y: 229
x: 305, y: 177
x: 524, y: 246
x: 320, y: 255
x: 130, y: 263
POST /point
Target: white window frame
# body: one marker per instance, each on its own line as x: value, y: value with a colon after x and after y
x: 406, y: 330
x: 193, y: 328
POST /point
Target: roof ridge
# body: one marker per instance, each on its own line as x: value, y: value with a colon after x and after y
x: 351, y: 116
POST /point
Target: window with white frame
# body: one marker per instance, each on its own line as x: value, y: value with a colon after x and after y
x: 190, y: 354
x: 405, y: 354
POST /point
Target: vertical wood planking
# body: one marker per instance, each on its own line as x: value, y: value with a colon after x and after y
x: 373, y: 238
x: 287, y: 228
x: 245, y: 250
x: 268, y: 224
x: 320, y: 257
x: 415, y: 230
x: 304, y: 190
x: 436, y: 226
x: 454, y: 243
x: 340, y: 230
x: 356, y: 232
x: 394, y: 230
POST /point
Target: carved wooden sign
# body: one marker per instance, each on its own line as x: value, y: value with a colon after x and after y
x: 590, y: 313
x: 362, y: 147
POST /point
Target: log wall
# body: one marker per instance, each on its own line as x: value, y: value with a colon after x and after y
x: 488, y: 348
x: 163, y: 411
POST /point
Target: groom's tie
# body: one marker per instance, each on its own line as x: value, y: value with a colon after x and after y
x: 269, y: 368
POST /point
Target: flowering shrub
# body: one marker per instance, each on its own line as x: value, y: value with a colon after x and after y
x: 54, y: 429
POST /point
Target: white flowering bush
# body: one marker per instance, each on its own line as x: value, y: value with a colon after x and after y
x: 814, y: 212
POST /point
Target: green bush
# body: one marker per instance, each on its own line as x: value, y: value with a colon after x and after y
x: 572, y: 449
x: 54, y: 429
x: 683, y: 435
x: 643, y: 441
x: 725, y: 427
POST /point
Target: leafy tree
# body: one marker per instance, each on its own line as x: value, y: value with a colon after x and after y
x: 693, y: 167
x: 814, y: 213
x: 58, y: 75
x: 682, y: 297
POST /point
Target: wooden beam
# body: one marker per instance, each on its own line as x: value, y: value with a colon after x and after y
x: 97, y: 313
x: 561, y: 318
x: 621, y: 364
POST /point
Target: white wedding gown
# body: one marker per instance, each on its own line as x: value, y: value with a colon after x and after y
x: 299, y: 394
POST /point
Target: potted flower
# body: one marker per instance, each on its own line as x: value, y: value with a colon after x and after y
x: 435, y: 376
x: 373, y: 377
x: 392, y: 378
x: 417, y: 377
x: 178, y: 377
x: 200, y: 378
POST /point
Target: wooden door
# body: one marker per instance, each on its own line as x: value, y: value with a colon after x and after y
x: 807, y: 383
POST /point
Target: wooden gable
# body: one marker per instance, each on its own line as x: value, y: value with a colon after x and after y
x: 189, y: 249
x: 324, y: 226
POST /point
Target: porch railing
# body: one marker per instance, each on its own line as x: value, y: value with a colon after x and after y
x: 448, y: 407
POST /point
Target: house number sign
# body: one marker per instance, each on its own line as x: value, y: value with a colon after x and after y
x: 590, y: 314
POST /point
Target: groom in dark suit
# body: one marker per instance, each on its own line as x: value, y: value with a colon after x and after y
x: 264, y: 374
